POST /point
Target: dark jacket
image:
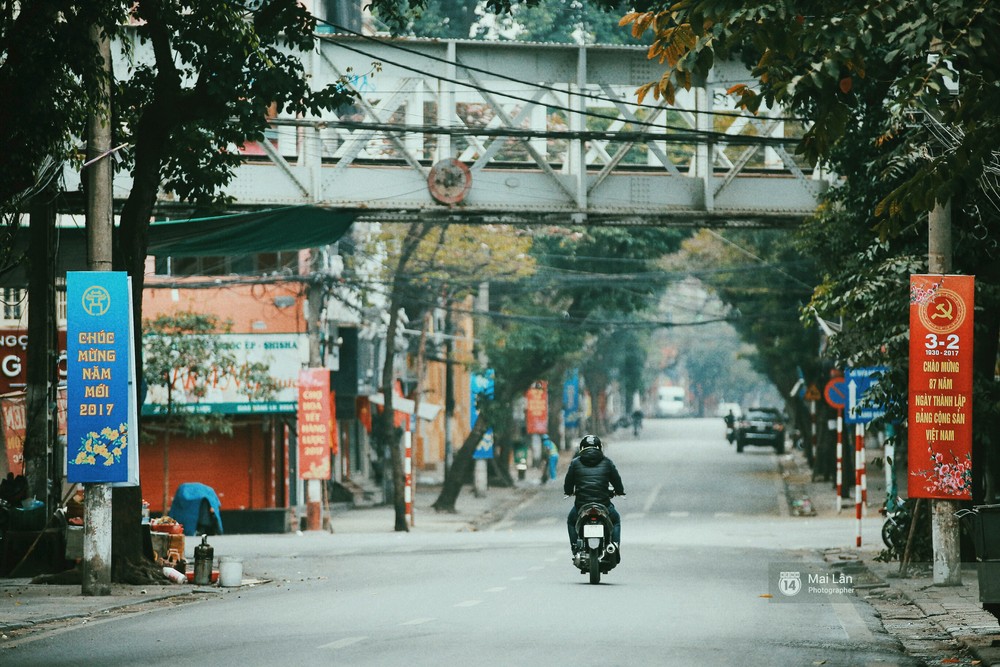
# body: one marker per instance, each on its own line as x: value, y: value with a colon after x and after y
x: 589, y: 475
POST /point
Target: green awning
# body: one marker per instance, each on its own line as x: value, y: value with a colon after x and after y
x: 289, y: 228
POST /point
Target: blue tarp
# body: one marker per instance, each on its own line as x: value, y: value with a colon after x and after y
x: 187, y: 506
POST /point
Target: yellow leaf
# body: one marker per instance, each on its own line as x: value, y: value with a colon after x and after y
x: 766, y: 595
x: 628, y: 18
x: 737, y: 89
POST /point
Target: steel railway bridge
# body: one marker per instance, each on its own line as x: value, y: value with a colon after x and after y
x: 475, y: 131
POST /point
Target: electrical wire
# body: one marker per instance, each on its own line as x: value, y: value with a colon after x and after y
x: 530, y: 84
x: 719, y: 137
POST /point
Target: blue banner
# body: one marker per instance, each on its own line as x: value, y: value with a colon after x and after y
x: 571, y: 399
x: 99, y: 439
x: 482, y: 385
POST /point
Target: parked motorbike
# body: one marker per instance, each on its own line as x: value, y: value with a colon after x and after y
x: 596, y: 554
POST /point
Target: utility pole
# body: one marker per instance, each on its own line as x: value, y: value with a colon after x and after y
x: 96, y: 565
x: 314, y: 323
x: 947, y: 569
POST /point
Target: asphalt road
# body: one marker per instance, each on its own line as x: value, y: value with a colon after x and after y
x: 702, y: 529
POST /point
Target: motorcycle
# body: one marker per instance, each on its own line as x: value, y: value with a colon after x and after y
x: 596, y: 554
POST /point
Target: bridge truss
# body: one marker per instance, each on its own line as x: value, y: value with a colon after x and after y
x: 524, y: 133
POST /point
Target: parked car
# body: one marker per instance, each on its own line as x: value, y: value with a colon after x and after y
x: 761, y: 426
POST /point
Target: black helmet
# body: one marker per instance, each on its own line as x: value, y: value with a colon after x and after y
x: 591, y: 441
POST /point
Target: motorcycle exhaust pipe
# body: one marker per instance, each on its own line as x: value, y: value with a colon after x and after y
x: 611, y: 548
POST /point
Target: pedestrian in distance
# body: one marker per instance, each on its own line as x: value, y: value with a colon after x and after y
x: 550, y: 453
x: 730, y: 420
x: 593, y: 478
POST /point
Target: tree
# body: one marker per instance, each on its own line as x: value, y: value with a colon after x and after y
x: 436, y: 266
x: 586, y: 280
x: 183, y: 352
x: 217, y: 71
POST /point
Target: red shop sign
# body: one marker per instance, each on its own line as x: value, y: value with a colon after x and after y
x: 536, y: 412
x: 940, y: 388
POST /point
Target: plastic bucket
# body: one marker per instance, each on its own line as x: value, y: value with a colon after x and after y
x: 230, y: 571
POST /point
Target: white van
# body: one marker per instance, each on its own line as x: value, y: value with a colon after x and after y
x: 670, y: 401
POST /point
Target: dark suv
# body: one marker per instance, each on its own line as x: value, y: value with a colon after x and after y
x: 761, y: 426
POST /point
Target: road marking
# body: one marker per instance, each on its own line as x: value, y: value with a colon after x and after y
x: 417, y: 621
x: 551, y: 560
x: 469, y: 603
x: 536, y: 568
x: 852, y: 623
x: 723, y: 515
x: 678, y: 515
x: 648, y: 505
x: 496, y: 589
x: 547, y: 521
x: 344, y: 643
x: 635, y: 516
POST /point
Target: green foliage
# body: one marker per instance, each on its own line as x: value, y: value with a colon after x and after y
x: 564, y: 21
x: 580, y: 307
x: 47, y: 71
x: 184, y: 349
x: 219, y: 69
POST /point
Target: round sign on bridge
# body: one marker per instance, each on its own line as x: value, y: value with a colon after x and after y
x: 835, y: 393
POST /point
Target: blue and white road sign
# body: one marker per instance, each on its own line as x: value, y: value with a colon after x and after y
x: 861, y: 409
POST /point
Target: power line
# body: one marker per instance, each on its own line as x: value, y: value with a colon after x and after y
x: 540, y: 86
x: 695, y: 135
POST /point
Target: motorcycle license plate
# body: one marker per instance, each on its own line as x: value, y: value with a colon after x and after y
x: 593, y: 530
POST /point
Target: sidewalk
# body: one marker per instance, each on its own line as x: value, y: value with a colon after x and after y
x: 928, y: 620
x: 24, y: 605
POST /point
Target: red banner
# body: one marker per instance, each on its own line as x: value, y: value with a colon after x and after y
x: 940, y: 390
x: 315, y: 423
x: 536, y: 412
x: 12, y: 412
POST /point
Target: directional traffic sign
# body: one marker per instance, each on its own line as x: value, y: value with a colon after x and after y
x: 835, y: 393
x: 859, y: 382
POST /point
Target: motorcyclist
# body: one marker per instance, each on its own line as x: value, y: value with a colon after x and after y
x: 593, y: 478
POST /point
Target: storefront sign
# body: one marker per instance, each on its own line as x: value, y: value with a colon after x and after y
x: 940, y: 390
x: 14, y: 359
x: 100, y: 445
x: 536, y: 412
x: 12, y: 412
x: 283, y: 354
x: 315, y: 423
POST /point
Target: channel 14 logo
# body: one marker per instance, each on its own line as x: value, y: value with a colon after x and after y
x: 790, y: 583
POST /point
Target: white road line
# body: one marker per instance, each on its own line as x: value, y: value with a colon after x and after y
x: 547, y: 521
x: 344, y: 643
x: 551, y: 560
x: 496, y: 589
x: 536, y: 568
x: 852, y: 623
x: 723, y: 515
x: 417, y: 621
x: 678, y: 515
x: 469, y: 603
x: 635, y: 516
x: 648, y: 505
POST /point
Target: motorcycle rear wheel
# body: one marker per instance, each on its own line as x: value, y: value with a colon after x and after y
x: 595, y: 568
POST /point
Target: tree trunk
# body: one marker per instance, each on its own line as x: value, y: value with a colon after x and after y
x: 985, y: 458
x: 128, y: 563
x: 39, y: 445
x: 461, y: 466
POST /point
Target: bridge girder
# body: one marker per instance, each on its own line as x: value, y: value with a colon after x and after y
x: 549, y: 134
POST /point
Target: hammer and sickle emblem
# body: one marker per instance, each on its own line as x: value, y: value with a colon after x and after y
x: 944, y: 310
